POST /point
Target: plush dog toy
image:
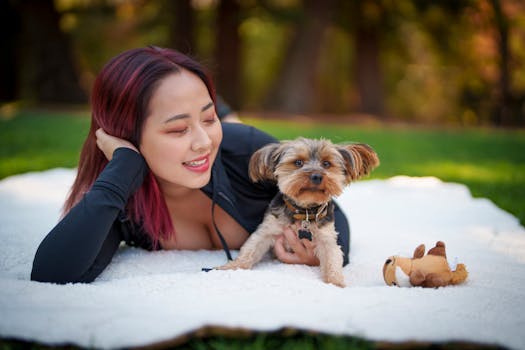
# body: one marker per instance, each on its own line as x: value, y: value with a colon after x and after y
x: 431, y: 270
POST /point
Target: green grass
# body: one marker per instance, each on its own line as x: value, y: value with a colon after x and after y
x: 490, y: 162
x: 38, y: 141
x: 288, y: 339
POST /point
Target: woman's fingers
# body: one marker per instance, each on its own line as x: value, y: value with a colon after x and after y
x: 283, y: 254
x: 108, y: 144
x: 303, y: 251
x: 293, y: 241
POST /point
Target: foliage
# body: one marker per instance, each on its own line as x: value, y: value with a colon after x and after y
x: 456, y: 62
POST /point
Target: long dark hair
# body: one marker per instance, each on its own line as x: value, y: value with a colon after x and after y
x: 120, y: 102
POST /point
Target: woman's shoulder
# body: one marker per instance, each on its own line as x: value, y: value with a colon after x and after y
x: 241, y: 139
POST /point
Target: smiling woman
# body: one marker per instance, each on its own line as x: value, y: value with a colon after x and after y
x: 181, y: 135
x: 159, y: 170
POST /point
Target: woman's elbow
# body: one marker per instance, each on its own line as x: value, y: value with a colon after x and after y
x: 39, y: 275
x: 44, y: 270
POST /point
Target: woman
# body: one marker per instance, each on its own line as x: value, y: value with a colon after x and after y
x: 158, y: 170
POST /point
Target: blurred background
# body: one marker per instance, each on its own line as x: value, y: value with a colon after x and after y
x: 437, y: 88
x: 458, y: 62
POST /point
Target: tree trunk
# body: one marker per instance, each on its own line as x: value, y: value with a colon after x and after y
x: 293, y: 91
x: 182, y: 24
x: 228, y: 52
x: 503, y: 110
x: 47, y: 70
x: 368, y: 73
x: 9, y: 24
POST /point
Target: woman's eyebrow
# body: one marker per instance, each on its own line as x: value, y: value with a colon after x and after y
x: 207, y: 106
x: 186, y: 115
x: 177, y: 117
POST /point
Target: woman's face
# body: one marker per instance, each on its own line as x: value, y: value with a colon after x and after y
x: 181, y: 135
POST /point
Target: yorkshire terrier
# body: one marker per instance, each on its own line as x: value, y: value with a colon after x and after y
x: 309, y: 174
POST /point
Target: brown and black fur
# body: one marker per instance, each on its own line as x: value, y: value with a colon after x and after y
x: 309, y: 174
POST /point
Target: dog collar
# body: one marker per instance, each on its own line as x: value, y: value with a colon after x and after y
x: 306, y: 214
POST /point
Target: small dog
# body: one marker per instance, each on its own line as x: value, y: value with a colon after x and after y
x: 309, y: 174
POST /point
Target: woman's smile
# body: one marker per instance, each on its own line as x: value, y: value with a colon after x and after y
x: 182, y: 134
x: 200, y: 165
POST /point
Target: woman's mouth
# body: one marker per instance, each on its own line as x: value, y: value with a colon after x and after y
x: 201, y: 164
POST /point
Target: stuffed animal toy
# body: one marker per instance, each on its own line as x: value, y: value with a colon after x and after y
x: 431, y: 270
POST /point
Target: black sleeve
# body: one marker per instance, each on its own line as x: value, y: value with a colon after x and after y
x: 343, y: 229
x: 82, y: 244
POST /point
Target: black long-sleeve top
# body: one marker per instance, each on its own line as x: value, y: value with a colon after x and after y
x: 83, y: 243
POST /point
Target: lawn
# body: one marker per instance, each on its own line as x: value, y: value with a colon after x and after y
x: 490, y: 162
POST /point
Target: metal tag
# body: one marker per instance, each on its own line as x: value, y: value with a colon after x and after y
x: 305, y: 225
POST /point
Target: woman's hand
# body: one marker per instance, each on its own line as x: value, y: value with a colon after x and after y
x: 108, y: 144
x: 302, y: 249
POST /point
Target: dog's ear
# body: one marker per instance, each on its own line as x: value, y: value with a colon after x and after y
x: 359, y: 158
x: 263, y: 162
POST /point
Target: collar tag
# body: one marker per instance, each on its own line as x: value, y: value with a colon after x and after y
x: 305, y: 225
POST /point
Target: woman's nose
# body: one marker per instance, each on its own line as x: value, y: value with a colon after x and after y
x: 201, y: 140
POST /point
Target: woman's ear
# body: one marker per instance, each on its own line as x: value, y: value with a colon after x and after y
x: 263, y: 162
x: 360, y: 159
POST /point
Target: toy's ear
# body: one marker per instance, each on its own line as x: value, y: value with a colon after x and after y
x: 419, y: 252
x: 263, y: 162
x: 438, y: 250
x: 359, y: 158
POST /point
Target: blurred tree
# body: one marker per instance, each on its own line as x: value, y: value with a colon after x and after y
x: 503, y: 111
x: 294, y: 87
x: 181, y: 22
x: 458, y: 61
x: 9, y: 26
x: 46, y: 69
x: 367, y: 18
x: 228, y: 51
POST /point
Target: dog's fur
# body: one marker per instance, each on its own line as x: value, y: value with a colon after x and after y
x: 309, y: 173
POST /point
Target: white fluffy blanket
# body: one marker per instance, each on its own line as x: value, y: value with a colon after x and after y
x: 148, y: 297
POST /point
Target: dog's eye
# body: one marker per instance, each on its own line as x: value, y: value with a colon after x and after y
x: 299, y: 163
x: 388, y: 261
x: 327, y: 164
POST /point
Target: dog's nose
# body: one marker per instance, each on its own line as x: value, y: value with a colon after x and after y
x: 316, y: 178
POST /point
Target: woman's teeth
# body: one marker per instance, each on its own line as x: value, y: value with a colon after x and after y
x: 196, y: 162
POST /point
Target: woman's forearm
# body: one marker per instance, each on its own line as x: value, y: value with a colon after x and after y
x: 69, y: 252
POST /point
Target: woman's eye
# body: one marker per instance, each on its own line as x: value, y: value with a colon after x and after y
x: 299, y: 163
x: 178, y: 131
x: 210, y: 120
x: 327, y: 164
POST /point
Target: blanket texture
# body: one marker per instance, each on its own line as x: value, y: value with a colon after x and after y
x: 148, y: 297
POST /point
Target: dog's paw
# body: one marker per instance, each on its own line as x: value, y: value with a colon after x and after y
x: 337, y: 280
x: 234, y: 265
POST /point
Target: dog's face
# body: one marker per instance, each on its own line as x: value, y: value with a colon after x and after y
x: 310, y: 171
